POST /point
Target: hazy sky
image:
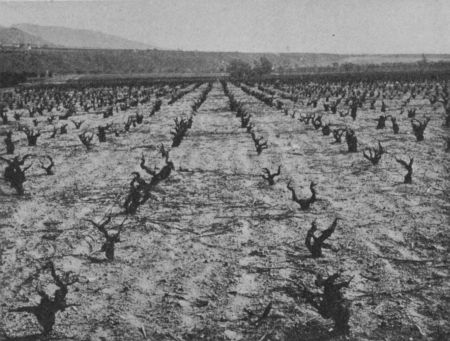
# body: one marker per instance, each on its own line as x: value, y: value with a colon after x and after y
x: 335, y: 26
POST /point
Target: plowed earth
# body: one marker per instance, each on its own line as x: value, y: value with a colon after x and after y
x: 216, y: 242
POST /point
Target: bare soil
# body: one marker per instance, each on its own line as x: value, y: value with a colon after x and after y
x: 216, y: 240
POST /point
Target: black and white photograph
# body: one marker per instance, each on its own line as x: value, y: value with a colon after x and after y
x: 224, y: 170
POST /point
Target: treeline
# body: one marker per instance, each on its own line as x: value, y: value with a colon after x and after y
x: 8, y: 79
x: 361, y: 76
x: 241, y: 70
x: 383, y: 67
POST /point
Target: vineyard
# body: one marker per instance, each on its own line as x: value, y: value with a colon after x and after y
x: 273, y: 210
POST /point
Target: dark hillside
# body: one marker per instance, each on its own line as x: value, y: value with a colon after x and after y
x: 68, y: 61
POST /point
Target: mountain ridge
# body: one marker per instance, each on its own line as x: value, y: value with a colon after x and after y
x: 15, y: 36
x: 58, y: 36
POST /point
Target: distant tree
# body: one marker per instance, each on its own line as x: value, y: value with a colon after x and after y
x: 424, y: 60
x: 239, y: 69
x: 263, y: 67
x: 347, y: 67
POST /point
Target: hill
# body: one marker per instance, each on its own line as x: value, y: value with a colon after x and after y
x: 77, y: 38
x: 10, y: 36
x: 104, y: 61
